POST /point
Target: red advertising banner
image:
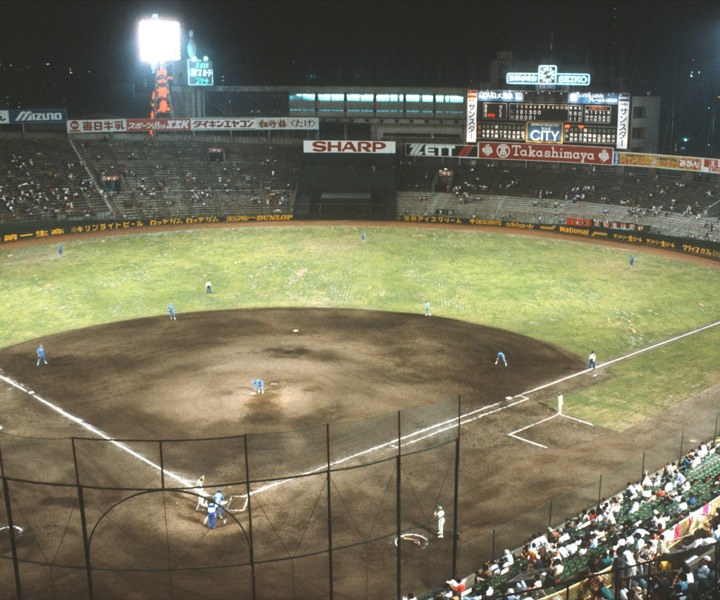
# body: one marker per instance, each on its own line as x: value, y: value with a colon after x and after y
x: 711, y: 165
x: 591, y: 155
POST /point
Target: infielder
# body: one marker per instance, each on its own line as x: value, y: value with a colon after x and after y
x: 591, y: 360
x: 258, y: 386
x: 439, y: 514
x: 501, y: 357
x: 171, y: 311
x: 41, y: 356
x: 427, y: 309
x: 559, y: 403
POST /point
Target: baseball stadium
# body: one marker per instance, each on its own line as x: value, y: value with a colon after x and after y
x: 373, y: 343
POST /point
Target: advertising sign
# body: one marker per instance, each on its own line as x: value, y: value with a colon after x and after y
x: 36, y: 115
x: 547, y: 75
x: 158, y: 124
x: 471, y: 121
x: 226, y: 124
x: 347, y: 147
x: 200, y: 72
x: 241, y: 123
x: 658, y: 161
x: 544, y: 133
x: 623, y: 122
x: 441, y: 150
x: 711, y: 165
x: 96, y: 126
x: 590, y: 155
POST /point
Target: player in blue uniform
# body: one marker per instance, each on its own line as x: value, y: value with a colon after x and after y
x: 41, y: 356
x: 632, y: 261
x: 212, y: 514
x: 427, y: 309
x: 59, y: 249
x: 218, y: 498
x: 500, y: 357
x: 171, y: 311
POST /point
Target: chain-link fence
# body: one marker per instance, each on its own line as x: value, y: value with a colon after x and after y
x: 336, y: 511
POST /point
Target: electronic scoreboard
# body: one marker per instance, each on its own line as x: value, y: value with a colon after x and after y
x: 583, y: 117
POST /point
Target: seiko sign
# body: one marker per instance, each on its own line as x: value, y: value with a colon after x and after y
x: 573, y: 79
x: 48, y: 115
x: 547, y: 75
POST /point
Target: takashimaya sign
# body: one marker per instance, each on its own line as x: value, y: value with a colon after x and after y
x: 547, y: 75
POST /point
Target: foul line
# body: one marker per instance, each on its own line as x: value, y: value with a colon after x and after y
x: 95, y: 430
x: 406, y: 439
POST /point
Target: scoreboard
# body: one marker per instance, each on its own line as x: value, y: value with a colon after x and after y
x: 581, y: 117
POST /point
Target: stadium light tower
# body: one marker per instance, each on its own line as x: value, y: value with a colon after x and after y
x: 159, y: 41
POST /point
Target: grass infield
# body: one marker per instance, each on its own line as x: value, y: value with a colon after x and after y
x: 578, y: 296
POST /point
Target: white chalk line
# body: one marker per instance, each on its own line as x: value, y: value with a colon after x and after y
x: 94, y: 430
x: 600, y: 366
x: 439, y: 427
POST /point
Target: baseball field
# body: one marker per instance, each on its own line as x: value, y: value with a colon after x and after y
x: 362, y: 350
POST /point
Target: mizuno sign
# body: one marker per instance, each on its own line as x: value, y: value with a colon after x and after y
x: 49, y: 115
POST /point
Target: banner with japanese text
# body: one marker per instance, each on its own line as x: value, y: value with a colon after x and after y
x: 205, y: 124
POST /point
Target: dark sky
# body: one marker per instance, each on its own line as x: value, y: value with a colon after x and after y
x: 634, y: 45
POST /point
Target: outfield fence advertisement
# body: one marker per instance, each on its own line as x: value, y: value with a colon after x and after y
x: 639, y: 236
x: 608, y: 230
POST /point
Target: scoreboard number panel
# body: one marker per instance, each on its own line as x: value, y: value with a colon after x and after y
x: 494, y: 110
x: 568, y: 113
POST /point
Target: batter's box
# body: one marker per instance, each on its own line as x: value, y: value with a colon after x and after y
x: 516, y: 434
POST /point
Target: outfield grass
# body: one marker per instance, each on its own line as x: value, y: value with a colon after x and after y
x: 575, y: 295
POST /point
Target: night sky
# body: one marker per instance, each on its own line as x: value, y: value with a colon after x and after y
x: 630, y: 46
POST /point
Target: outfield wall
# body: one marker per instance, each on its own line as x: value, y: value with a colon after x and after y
x: 59, y: 230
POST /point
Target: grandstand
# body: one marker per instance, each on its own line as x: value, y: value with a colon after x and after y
x: 56, y: 179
